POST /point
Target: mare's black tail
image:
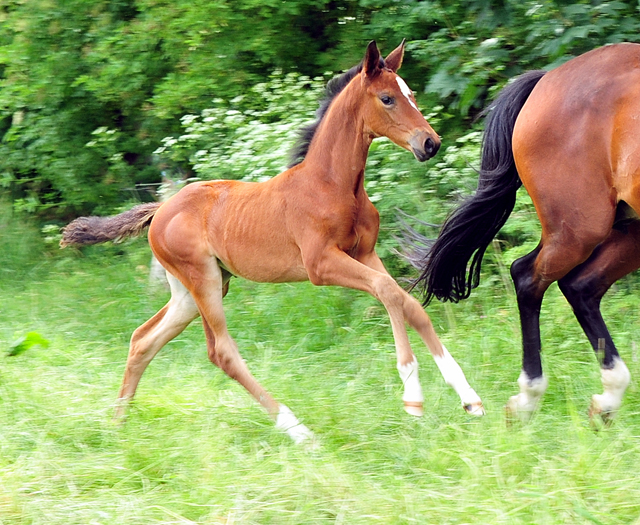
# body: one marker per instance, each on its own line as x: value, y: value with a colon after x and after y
x: 469, y: 229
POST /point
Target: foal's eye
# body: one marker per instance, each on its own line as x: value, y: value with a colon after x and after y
x: 387, y: 100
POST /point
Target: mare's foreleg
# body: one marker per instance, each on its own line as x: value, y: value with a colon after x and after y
x: 584, y: 288
x: 419, y: 320
x: 149, y: 339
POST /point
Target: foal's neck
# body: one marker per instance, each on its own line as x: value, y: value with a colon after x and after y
x: 338, y: 152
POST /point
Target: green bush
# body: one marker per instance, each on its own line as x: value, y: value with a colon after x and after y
x: 21, y: 246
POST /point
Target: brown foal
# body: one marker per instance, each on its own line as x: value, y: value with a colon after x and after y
x: 312, y: 222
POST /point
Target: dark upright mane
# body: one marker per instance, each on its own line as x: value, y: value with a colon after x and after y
x: 334, y: 87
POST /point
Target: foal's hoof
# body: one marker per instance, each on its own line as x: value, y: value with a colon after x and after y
x: 290, y: 424
x: 120, y: 414
x: 474, y: 409
x: 301, y: 434
x: 414, y: 408
x: 118, y: 421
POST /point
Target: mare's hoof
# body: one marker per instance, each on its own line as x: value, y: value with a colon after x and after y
x: 514, y: 414
x: 510, y: 415
x: 598, y: 415
x: 414, y: 408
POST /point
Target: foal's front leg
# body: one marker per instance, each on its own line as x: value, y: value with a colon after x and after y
x: 334, y: 267
x: 418, y: 319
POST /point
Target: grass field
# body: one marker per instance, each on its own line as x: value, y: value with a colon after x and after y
x: 197, y: 450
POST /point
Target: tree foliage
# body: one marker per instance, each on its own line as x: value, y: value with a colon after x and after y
x: 90, y: 88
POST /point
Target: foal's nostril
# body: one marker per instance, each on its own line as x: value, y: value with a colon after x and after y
x: 430, y: 147
x: 424, y: 145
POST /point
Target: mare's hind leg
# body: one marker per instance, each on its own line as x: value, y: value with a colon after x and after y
x: 208, y: 288
x: 531, y: 381
x: 451, y: 372
x: 571, y: 229
x: 149, y: 338
x: 532, y: 275
x: 584, y: 287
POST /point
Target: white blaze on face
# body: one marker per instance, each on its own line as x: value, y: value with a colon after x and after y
x: 406, y: 91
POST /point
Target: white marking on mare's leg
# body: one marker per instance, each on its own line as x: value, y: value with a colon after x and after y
x: 615, y: 381
x: 455, y: 378
x: 531, y: 391
x: 290, y: 424
x: 412, y: 397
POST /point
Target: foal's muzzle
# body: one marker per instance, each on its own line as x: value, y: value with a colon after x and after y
x: 424, y: 145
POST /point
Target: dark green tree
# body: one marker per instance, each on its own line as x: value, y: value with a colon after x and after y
x: 88, y: 88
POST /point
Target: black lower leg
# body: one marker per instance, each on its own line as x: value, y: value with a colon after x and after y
x: 584, y: 294
x: 529, y: 303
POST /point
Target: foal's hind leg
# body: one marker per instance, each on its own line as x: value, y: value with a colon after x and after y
x: 149, y: 338
x: 584, y: 287
x: 207, y: 288
x: 453, y: 375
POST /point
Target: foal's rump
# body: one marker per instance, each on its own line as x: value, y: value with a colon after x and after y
x: 240, y: 224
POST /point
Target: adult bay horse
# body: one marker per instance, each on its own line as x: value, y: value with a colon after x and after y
x: 312, y: 222
x: 572, y: 138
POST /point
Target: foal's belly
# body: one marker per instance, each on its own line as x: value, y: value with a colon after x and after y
x: 265, y: 267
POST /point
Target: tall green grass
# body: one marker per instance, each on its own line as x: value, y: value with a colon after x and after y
x: 197, y: 450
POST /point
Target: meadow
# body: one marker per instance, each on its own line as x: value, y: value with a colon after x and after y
x: 196, y: 449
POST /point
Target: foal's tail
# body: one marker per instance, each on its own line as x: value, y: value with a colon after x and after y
x: 469, y: 229
x: 94, y: 230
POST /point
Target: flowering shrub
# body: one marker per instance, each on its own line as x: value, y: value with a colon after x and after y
x: 249, y: 137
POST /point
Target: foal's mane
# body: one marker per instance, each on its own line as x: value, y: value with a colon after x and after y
x: 334, y: 87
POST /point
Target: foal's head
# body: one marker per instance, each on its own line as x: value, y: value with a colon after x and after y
x: 390, y: 109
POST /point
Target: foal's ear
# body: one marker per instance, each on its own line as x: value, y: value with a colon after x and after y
x: 371, y: 64
x: 394, y: 60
